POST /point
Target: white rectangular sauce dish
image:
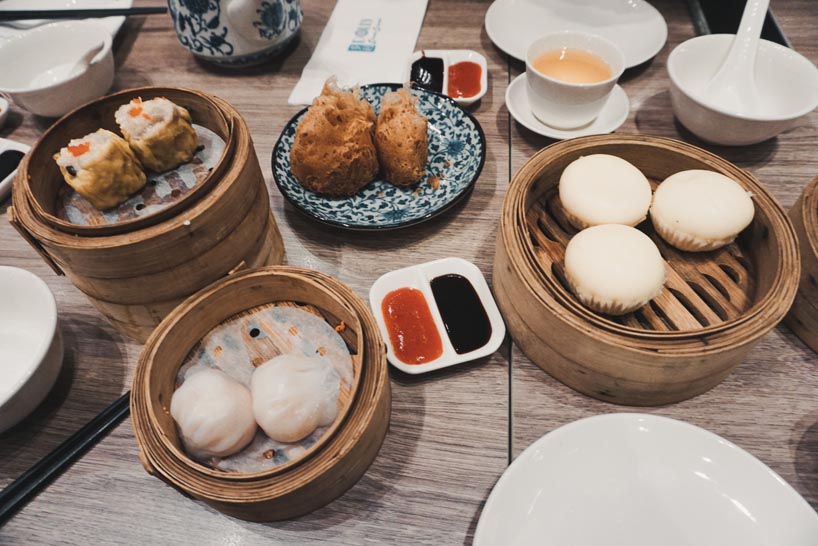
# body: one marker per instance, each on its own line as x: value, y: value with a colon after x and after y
x: 420, y: 277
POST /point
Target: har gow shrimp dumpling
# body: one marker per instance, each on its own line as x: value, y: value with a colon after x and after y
x: 102, y: 168
x: 214, y: 414
x: 159, y: 131
x: 293, y: 396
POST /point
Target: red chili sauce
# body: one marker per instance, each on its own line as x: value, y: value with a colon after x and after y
x: 412, y: 330
x: 464, y: 79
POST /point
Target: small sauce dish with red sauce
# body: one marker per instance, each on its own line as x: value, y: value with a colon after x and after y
x: 436, y: 315
x: 462, y: 74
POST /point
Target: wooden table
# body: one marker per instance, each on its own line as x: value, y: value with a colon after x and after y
x: 453, y: 432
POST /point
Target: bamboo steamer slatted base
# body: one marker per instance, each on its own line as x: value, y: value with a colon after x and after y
x: 310, y: 482
x: 137, y: 271
x: 713, y: 310
x: 803, y: 316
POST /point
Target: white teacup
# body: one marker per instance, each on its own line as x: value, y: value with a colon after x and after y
x: 566, y: 105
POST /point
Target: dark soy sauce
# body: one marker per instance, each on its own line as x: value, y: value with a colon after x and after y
x: 9, y: 160
x: 427, y: 72
x: 463, y: 314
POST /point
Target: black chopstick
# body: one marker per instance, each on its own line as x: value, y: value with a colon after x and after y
x: 18, y: 492
x: 19, y: 15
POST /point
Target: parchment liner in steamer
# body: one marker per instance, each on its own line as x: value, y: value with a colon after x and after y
x: 249, y: 339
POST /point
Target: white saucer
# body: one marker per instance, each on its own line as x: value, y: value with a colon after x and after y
x: 635, y: 26
x: 612, y: 116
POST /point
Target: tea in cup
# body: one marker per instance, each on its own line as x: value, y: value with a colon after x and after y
x: 570, y: 76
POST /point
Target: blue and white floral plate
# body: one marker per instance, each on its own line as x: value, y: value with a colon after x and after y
x: 457, y: 151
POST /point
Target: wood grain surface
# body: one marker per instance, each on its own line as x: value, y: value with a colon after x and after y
x: 452, y: 431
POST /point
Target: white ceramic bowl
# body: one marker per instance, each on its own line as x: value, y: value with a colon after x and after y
x: 787, y: 85
x: 31, y: 351
x: 40, y: 67
x: 642, y: 480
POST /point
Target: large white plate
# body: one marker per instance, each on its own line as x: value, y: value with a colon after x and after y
x: 634, y: 25
x: 642, y: 480
x: 113, y: 23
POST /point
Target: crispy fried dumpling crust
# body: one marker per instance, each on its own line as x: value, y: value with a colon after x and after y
x: 334, y: 149
x: 400, y: 136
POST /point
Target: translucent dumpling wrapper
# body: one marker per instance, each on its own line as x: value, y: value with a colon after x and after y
x: 293, y: 396
x: 214, y: 414
x: 102, y: 168
x: 159, y: 131
x: 244, y: 342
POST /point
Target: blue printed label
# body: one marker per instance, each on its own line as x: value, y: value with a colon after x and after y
x: 366, y: 35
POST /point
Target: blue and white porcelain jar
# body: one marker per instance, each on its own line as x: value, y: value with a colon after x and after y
x: 236, y: 32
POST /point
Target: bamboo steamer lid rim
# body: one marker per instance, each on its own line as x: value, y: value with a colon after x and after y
x: 514, y: 234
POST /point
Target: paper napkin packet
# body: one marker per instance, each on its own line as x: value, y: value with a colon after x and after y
x: 365, y: 41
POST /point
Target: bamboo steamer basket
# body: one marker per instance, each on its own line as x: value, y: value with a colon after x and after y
x: 136, y: 271
x: 803, y: 316
x: 45, y: 181
x: 327, y: 470
x: 713, y: 310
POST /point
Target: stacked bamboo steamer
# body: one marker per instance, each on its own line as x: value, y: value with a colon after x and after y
x: 318, y: 477
x: 714, y: 308
x: 803, y: 316
x: 135, y: 272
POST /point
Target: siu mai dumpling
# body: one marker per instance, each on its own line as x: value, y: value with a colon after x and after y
x: 293, y: 396
x: 159, y: 131
x: 214, y: 414
x: 400, y: 136
x: 102, y: 168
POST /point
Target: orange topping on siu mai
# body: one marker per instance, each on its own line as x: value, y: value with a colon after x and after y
x: 79, y: 149
x: 135, y: 111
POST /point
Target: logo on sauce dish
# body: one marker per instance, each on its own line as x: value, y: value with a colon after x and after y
x: 366, y: 35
